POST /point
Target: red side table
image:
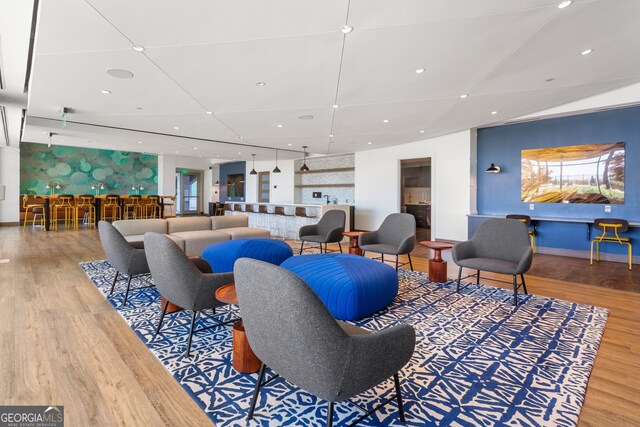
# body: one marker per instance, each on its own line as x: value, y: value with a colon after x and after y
x: 437, y: 267
x: 354, y: 249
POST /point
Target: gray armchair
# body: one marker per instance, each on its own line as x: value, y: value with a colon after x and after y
x: 123, y: 257
x: 294, y: 334
x: 498, y: 246
x: 396, y: 236
x: 328, y: 230
x: 181, y: 282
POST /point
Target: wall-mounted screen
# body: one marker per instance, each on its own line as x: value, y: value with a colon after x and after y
x: 592, y: 173
x: 235, y: 185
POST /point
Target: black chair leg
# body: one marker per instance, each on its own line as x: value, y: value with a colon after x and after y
x: 126, y: 294
x: 113, y: 285
x: 340, y: 246
x: 330, y: 415
x: 320, y: 247
x: 524, y: 285
x: 256, y: 390
x: 382, y: 257
x: 193, y: 322
x: 515, y: 290
x: 410, y: 263
x: 396, y: 263
x: 396, y: 380
x: 164, y: 311
x: 301, y: 246
x: 478, y: 277
x: 459, y: 278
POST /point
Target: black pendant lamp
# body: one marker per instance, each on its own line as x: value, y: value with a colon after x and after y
x: 276, y: 169
x: 253, y: 171
x: 304, y: 167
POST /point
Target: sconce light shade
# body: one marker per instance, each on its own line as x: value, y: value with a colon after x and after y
x: 493, y: 168
x: 304, y: 167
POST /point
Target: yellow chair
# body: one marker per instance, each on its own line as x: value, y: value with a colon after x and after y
x: 152, y: 207
x: 86, y: 204
x: 610, y: 228
x: 526, y: 219
x: 65, y: 202
x: 133, y: 206
x: 111, y: 202
x: 36, y: 208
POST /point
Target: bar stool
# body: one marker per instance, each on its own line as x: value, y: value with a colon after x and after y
x: 169, y: 202
x: 37, y: 208
x: 66, y: 203
x: 610, y: 228
x: 228, y: 207
x: 152, y: 207
x: 86, y: 203
x: 111, y: 201
x: 526, y: 219
x: 237, y: 207
x: 219, y: 209
x: 133, y: 206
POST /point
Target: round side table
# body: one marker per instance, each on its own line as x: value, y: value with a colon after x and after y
x: 437, y: 267
x: 354, y: 249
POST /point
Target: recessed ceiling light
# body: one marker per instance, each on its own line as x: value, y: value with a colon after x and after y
x: 176, y: 127
x: 137, y: 48
x: 105, y: 92
x: 422, y: 131
x: 199, y: 157
x: 289, y: 145
x: 209, y: 112
x: 586, y: 52
x: 330, y: 135
x: 385, y: 121
x: 369, y: 143
x: 239, y: 153
x: 260, y: 84
x: 242, y: 137
x: 336, y: 106
x: 305, y: 117
x: 280, y: 126
x: 139, y: 142
x: 176, y: 151
x: 463, y: 96
x: 347, y: 29
x: 120, y: 73
x: 195, y: 148
x: 494, y: 113
x: 564, y: 4
x: 419, y: 70
x: 217, y: 155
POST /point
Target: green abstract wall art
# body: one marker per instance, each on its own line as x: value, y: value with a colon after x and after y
x: 77, y: 169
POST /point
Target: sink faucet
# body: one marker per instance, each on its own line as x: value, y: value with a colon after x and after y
x: 327, y: 196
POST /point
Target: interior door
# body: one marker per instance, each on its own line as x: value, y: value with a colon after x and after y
x: 264, y: 185
x: 189, y: 191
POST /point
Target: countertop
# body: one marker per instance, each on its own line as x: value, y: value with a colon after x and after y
x: 417, y: 204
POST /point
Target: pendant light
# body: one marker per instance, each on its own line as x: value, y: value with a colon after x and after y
x: 253, y: 171
x: 304, y: 167
x: 276, y: 169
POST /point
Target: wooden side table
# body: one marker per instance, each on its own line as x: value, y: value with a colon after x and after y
x: 437, y: 267
x: 245, y: 360
x: 354, y: 249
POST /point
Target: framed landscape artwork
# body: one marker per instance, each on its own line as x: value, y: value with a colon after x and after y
x: 592, y: 173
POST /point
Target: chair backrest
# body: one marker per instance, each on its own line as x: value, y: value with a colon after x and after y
x: 278, y: 210
x: 134, y: 198
x: 501, y: 238
x: 526, y: 219
x: 111, y: 199
x: 248, y: 208
x: 237, y: 207
x: 331, y: 219
x: 289, y: 328
x: 115, y: 246
x: 396, y: 227
x: 301, y: 211
x: 263, y: 209
x: 611, y: 224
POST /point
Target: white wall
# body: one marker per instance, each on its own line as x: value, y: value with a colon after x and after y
x: 167, y: 166
x: 378, y: 183
x: 10, y: 177
x: 282, y: 184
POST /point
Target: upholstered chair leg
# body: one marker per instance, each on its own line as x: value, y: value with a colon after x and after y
x: 301, y: 246
x: 381, y: 257
x: 478, y: 277
x: 256, y: 390
x: 126, y: 294
x: 113, y: 285
x: 191, y: 328
x: 410, y: 263
x: 515, y: 290
x: 524, y: 285
x: 330, y: 415
x: 396, y: 263
x: 164, y: 311
x: 396, y: 380
x: 459, y: 278
x: 340, y: 246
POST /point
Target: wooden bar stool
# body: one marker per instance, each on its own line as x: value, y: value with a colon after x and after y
x: 112, y: 203
x: 610, y: 228
x: 37, y: 208
x: 86, y: 203
x: 133, y: 206
x: 152, y: 208
x: 219, y: 208
x: 65, y: 203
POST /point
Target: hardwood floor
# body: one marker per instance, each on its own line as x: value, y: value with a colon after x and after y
x: 62, y: 343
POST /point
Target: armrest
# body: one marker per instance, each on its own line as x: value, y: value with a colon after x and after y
x: 201, y: 264
x: 525, y: 261
x: 368, y: 238
x: 209, y: 282
x: 462, y: 250
x: 407, y: 244
x: 307, y: 230
x: 335, y: 235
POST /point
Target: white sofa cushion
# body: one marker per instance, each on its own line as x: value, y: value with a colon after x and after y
x: 195, y: 241
x: 246, y: 233
x: 137, y: 227
x: 229, y: 221
x: 192, y: 223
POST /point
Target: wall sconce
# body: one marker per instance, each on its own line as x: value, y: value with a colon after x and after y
x: 137, y: 188
x: 304, y: 167
x: 52, y: 187
x: 97, y: 187
x: 276, y: 169
x: 493, y: 168
x: 253, y: 169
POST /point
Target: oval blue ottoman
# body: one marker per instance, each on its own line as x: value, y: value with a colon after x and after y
x: 351, y: 286
x: 223, y: 255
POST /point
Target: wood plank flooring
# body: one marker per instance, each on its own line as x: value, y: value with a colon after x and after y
x: 62, y: 343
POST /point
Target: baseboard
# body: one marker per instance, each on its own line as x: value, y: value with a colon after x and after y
x: 604, y: 256
x: 9, y: 224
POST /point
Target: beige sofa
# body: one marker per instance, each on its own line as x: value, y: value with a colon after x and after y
x: 192, y: 234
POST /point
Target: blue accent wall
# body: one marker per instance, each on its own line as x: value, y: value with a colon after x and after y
x: 230, y: 169
x: 499, y: 194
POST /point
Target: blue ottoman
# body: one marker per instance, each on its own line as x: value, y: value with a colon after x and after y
x: 223, y: 255
x: 351, y: 286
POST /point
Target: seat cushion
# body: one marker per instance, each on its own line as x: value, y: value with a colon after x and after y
x: 196, y: 241
x: 491, y: 265
x: 229, y: 221
x: 222, y: 256
x: 352, y: 287
x: 193, y: 223
x: 316, y: 238
x: 245, y: 233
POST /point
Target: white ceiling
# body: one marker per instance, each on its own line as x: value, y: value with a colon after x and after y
x: 208, y: 55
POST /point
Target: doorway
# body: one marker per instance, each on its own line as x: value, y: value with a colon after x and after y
x: 264, y: 185
x: 189, y: 190
x: 415, y: 193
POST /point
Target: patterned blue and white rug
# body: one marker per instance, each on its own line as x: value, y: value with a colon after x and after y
x: 478, y: 360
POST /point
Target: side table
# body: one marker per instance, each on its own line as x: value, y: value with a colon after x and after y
x: 437, y: 267
x: 245, y: 360
x: 354, y: 248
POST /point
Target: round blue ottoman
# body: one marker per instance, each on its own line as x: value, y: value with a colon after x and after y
x: 223, y: 255
x: 351, y: 286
